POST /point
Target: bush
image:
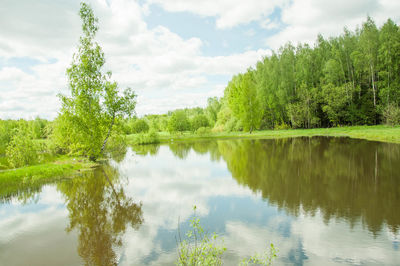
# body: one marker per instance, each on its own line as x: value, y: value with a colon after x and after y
x: 140, y: 126
x: 22, y: 150
x: 62, y: 135
x: 148, y: 138
x: 261, y: 259
x: 392, y: 114
x: 178, y: 122
x: 203, y: 131
x: 199, y: 248
x: 199, y: 121
x: 233, y: 125
x: 281, y: 126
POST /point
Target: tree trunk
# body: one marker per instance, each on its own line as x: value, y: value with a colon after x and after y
x: 108, y: 134
x: 374, y: 90
x: 373, y: 85
x: 112, y: 186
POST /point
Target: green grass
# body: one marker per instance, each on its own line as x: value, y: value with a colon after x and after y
x: 25, y: 180
x: 375, y: 133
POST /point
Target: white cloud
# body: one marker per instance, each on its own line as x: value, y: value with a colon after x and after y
x: 323, y: 242
x: 161, y: 66
x: 38, y: 230
x: 177, y: 185
x: 166, y: 70
x: 305, y: 19
x: 229, y: 13
x: 169, y: 191
x: 268, y: 24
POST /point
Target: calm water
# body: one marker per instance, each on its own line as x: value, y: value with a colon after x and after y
x: 321, y: 201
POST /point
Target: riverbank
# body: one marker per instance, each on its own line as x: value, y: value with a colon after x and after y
x: 374, y: 133
x: 13, y: 180
x: 29, y: 178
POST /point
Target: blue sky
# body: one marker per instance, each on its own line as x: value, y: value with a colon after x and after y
x: 218, y: 42
x: 173, y: 53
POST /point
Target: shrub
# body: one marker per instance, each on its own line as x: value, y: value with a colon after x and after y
x: 281, y: 126
x: 203, y: 131
x: 140, y: 126
x: 199, y: 248
x: 22, y: 150
x: 7, y: 129
x: 261, y: 259
x: 233, y: 125
x: 147, y: 138
x: 178, y: 122
x: 392, y: 114
x: 199, y: 121
x: 60, y: 142
x: 218, y: 129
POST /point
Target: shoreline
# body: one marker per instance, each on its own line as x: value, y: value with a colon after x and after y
x: 379, y: 133
x: 64, y: 167
x: 17, y: 181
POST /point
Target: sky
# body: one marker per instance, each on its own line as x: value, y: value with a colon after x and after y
x: 172, y: 53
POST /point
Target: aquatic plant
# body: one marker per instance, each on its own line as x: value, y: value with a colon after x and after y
x: 199, y: 248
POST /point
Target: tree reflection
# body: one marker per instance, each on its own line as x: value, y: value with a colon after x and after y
x: 340, y: 177
x: 100, y: 211
x: 149, y: 149
x: 180, y: 149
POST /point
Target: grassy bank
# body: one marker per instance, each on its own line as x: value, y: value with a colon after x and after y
x: 25, y: 180
x: 374, y: 133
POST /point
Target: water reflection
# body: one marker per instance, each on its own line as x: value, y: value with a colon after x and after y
x: 321, y: 201
x: 340, y: 177
x: 100, y: 211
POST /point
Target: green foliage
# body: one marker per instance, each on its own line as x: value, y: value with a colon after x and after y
x: 22, y: 150
x: 147, y: 138
x: 302, y: 113
x: 336, y: 100
x: 224, y: 115
x: 332, y: 72
x: 7, y: 128
x: 178, y: 122
x: 158, y: 122
x: 87, y: 117
x: 243, y: 101
x: 22, y: 182
x: 212, y: 109
x: 199, y: 121
x: 199, y: 248
x: 265, y: 259
x: 233, y: 124
x: 392, y: 115
x: 346, y: 80
x: 37, y: 128
x: 140, y: 126
x: 388, y: 59
x: 203, y: 131
x: 281, y: 126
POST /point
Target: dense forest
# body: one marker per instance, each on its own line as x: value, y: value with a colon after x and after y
x: 352, y: 79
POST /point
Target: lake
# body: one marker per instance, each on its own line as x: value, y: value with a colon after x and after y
x: 320, y: 201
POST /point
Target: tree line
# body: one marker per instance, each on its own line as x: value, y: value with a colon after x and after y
x: 352, y: 79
